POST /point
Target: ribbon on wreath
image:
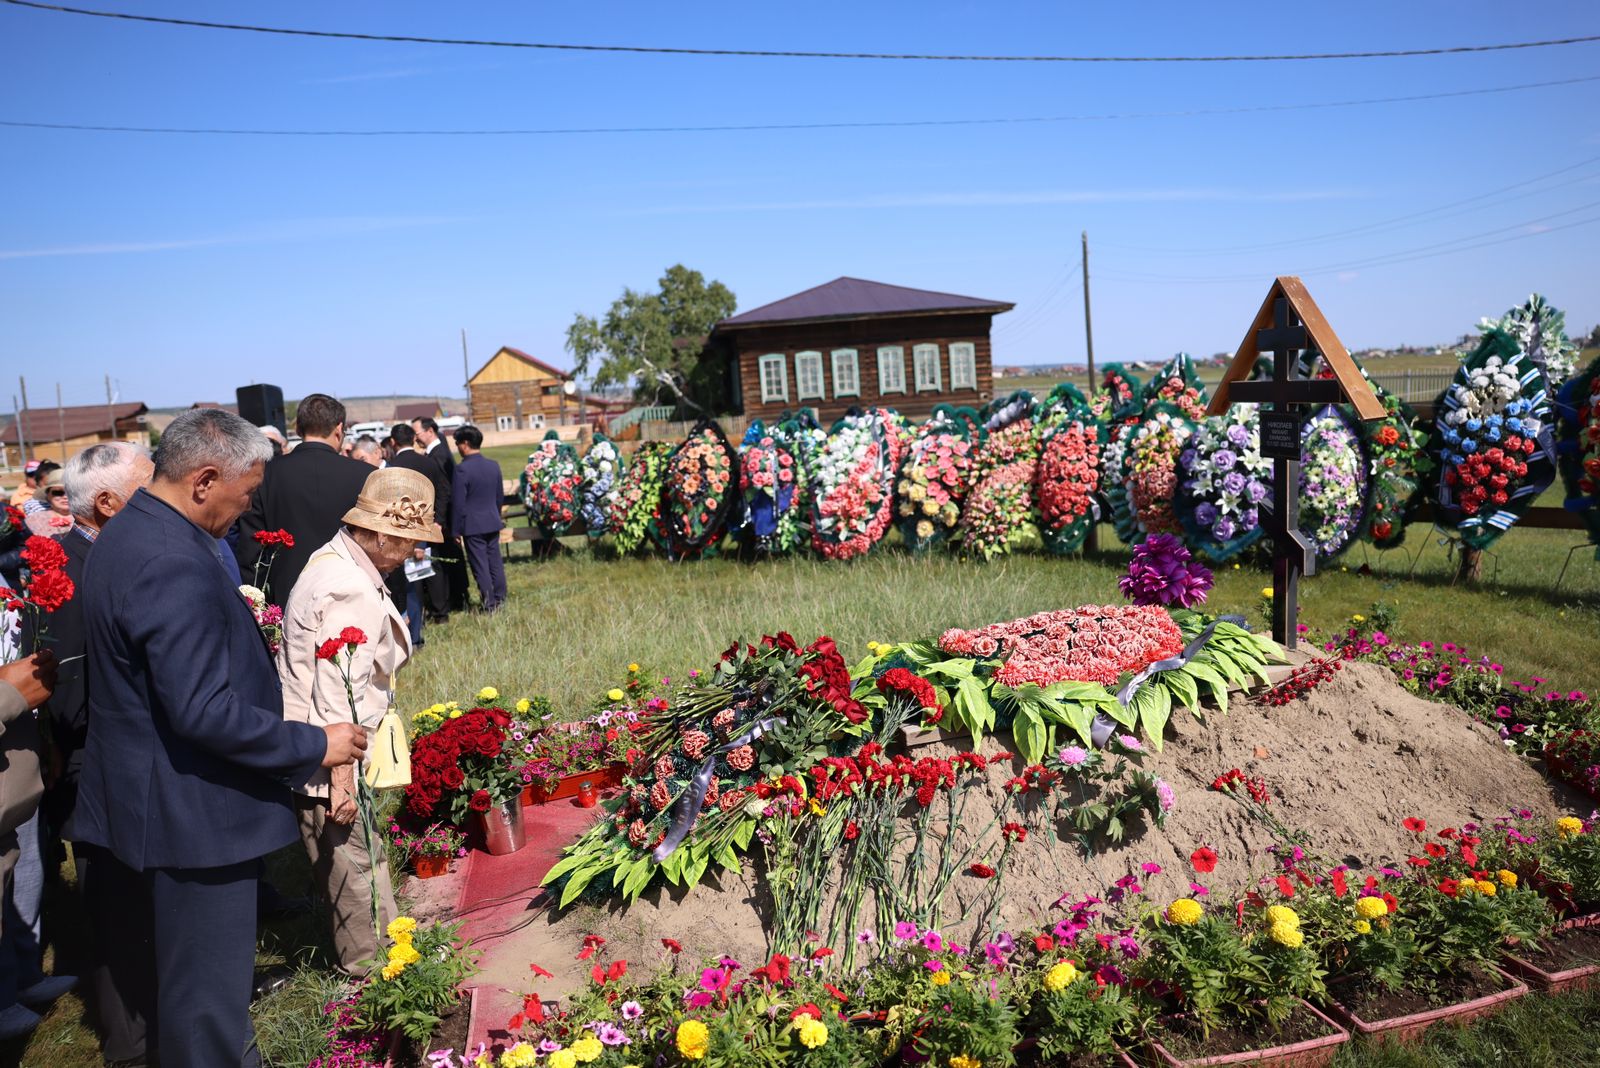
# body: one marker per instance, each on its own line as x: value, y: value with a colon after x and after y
x: 687, y: 808
x: 1103, y: 727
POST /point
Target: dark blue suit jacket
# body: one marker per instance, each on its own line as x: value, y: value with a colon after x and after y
x: 188, y: 757
x: 475, y: 497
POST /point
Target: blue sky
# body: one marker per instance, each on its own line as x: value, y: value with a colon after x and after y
x: 185, y: 266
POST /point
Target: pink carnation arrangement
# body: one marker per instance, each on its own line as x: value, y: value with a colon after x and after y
x: 1094, y: 643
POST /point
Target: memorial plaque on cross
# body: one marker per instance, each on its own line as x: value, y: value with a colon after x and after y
x: 1289, y: 324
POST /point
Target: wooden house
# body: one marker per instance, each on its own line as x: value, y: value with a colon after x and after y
x: 854, y: 343
x: 58, y: 433
x: 515, y: 391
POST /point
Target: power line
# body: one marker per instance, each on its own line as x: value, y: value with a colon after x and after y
x: 793, y: 54
x: 755, y: 127
x: 1441, y: 211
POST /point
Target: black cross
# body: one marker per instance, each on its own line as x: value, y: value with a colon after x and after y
x: 1292, y: 554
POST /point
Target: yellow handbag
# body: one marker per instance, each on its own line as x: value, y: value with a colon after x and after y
x: 388, y: 754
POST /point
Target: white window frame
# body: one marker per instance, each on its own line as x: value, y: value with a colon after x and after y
x: 808, y: 361
x: 780, y: 390
x: 925, y: 368
x: 846, y: 373
x: 505, y: 422
x: 891, y: 358
x: 963, y: 358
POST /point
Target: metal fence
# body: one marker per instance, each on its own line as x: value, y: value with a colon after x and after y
x: 1415, y: 386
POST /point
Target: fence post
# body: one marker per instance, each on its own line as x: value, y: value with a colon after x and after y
x: 1406, y: 389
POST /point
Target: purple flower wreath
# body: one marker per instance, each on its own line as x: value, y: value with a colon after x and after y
x: 1164, y: 572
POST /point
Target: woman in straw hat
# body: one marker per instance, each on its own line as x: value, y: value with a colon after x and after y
x: 343, y: 586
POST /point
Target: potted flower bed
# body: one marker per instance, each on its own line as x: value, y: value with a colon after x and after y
x: 582, y: 758
x: 1404, y: 1016
x: 431, y: 850
x: 1305, y: 1039
x: 1568, y: 960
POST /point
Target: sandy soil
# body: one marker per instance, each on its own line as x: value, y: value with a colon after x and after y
x: 1346, y: 766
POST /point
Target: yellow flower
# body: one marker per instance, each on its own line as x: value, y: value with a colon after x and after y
x: 452, y: 704
x: 404, y: 953
x: 1467, y: 886
x: 1060, y: 977
x: 1236, y: 567
x: 1277, y: 914
x: 401, y: 927
x: 633, y: 669
x: 693, y: 1039
x: 455, y: 713
x: 872, y: 647
x: 392, y: 969
x: 523, y: 706
x: 813, y: 1032
x: 488, y: 693
x: 561, y: 1058
x: 1486, y: 888
x: 961, y: 1060
x: 613, y: 694
x: 817, y: 809
x: 1371, y: 908
x: 1358, y: 618
x: 1363, y: 927
x: 1286, y: 935
x: 1509, y: 878
x: 1569, y: 826
x: 1184, y: 911
x: 1266, y: 591
x: 940, y: 978
x: 924, y: 529
x: 521, y: 1055
x: 483, y: 1060
x: 587, y: 1048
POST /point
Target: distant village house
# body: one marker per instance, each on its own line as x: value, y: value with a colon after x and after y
x: 57, y: 433
x: 854, y: 343
x: 515, y: 391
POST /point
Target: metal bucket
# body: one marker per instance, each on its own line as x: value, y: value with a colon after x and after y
x: 502, y: 827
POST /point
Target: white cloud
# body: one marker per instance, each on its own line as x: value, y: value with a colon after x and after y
x: 267, y: 233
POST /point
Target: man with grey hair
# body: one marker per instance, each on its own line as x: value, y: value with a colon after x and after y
x: 100, y: 480
x: 188, y: 755
x: 367, y: 450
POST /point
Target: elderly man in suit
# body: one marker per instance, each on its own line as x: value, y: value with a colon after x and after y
x: 100, y: 480
x: 304, y: 492
x: 188, y: 762
x: 446, y: 592
x: 475, y: 498
x: 434, y: 588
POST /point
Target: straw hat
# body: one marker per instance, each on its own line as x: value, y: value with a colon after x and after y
x: 398, y: 501
x: 51, y: 481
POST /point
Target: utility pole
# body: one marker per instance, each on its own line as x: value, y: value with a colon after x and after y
x: 1088, y: 326
x: 21, y: 430
x: 22, y: 442
x: 466, y: 375
x: 111, y: 408
x: 61, y: 424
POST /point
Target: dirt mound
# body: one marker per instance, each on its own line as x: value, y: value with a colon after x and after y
x: 1346, y: 766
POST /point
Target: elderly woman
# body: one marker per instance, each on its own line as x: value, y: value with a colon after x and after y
x: 343, y: 586
x: 50, y: 513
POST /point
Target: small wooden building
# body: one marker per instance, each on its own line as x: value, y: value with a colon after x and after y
x: 515, y: 391
x: 854, y: 343
x: 41, y: 430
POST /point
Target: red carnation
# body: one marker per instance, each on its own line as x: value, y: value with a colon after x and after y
x: 44, y: 554
x: 672, y: 945
x: 1204, y: 860
x: 982, y: 871
x: 329, y: 649
x: 49, y: 590
x: 352, y: 636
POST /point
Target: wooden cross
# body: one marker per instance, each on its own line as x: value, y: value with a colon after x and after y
x: 1288, y: 324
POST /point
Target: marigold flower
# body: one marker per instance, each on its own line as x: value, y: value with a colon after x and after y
x: 393, y: 969
x: 1508, y: 878
x: 561, y: 1058
x: 401, y: 927
x: 1486, y: 888
x: 1184, y: 912
x: 813, y: 1032
x: 963, y: 1060
x: 940, y: 978
x: 488, y: 693
x: 693, y: 1040
x: 587, y: 1049
x: 1286, y: 935
x: 522, y: 1055
x: 614, y: 694
x: 1371, y: 908
x: 1363, y: 927
x: 1060, y: 976
x: 1568, y: 826
x: 1283, y: 914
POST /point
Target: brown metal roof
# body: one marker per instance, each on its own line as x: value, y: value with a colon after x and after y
x: 404, y: 413
x: 849, y: 298
x: 45, y: 424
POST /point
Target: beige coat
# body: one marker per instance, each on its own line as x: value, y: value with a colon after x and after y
x: 339, y: 588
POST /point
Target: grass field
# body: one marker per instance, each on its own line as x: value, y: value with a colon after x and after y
x: 575, y: 621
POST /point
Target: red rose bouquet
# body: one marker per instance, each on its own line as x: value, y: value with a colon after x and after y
x: 464, y: 765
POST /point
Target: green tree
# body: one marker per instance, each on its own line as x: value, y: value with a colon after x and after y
x: 656, y: 340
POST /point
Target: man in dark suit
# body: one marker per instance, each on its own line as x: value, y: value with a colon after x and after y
x: 447, y: 590
x: 406, y: 455
x: 305, y: 492
x: 120, y: 982
x: 188, y: 757
x: 475, y: 499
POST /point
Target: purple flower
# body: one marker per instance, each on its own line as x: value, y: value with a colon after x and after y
x: 932, y: 942
x: 1224, y: 459
x: 1239, y: 434
x: 1162, y: 572
x: 548, y: 1045
x: 632, y: 1010
x: 1129, y: 742
x: 866, y: 938
x: 1205, y: 513
x: 1150, y: 868
x: 905, y: 930
x: 1073, y: 755
x: 1164, y: 794
x: 1224, y: 529
x: 611, y: 1035
x: 1234, y: 483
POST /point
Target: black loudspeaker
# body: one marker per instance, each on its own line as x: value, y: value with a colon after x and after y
x: 262, y: 405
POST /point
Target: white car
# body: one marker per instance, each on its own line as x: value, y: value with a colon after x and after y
x: 374, y: 429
